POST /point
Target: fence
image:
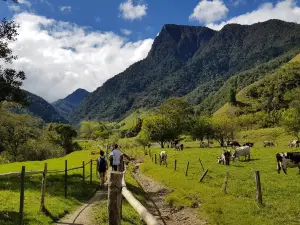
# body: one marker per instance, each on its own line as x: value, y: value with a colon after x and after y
x: 116, y: 191
x: 44, y: 173
x: 224, y: 188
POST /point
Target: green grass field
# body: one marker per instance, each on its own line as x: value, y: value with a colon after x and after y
x: 55, y: 202
x: 280, y: 192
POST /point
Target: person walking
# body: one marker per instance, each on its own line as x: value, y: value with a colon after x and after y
x: 116, y: 155
x: 102, y: 168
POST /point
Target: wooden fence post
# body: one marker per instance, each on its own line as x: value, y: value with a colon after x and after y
x: 83, y: 172
x: 114, y: 198
x: 187, y: 169
x: 22, y: 180
x: 42, y: 208
x: 175, y: 164
x: 204, y: 174
x: 224, y: 189
x: 258, y: 188
x: 155, y: 159
x: 91, y: 171
x: 66, y: 178
x: 201, y: 164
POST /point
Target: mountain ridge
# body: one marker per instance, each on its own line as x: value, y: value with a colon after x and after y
x: 185, y: 57
x: 67, y: 105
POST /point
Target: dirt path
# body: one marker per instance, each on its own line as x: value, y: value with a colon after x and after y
x: 165, y: 214
x: 82, y: 215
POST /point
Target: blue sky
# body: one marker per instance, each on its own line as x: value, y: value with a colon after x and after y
x: 104, y: 15
x: 68, y: 44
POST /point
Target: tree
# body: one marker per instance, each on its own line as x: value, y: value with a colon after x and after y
x: 142, y: 140
x: 224, y: 128
x: 291, y: 122
x: 15, y: 131
x: 201, y: 128
x: 66, y: 134
x: 10, y: 79
x: 158, y: 128
x: 232, y: 97
x: 179, y: 113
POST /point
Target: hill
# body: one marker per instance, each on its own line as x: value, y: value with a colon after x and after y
x: 41, y: 108
x: 184, y: 58
x: 67, y: 105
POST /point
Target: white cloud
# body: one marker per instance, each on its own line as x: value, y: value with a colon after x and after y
x: 14, y: 8
x: 59, y: 57
x: 25, y: 2
x: 237, y: 3
x: 132, y: 12
x: 286, y: 10
x: 126, y: 32
x: 65, y: 8
x: 209, y: 11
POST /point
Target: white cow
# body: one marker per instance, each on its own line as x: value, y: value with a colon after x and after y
x: 294, y: 143
x: 163, y: 157
x: 241, y: 151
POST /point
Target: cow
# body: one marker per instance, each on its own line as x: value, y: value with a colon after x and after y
x: 241, y: 151
x: 294, y: 143
x: 163, y: 157
x: 181, y: 147
x: 269, y: 144
x: 250, y: 144
x: 287, y: 159
x: 177, y: 147
x: 234, y: 144
x: 225, y: 157
x: 204, y: 144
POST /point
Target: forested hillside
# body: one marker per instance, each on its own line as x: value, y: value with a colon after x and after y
x: 67, y: 105
x: 185, y: 59
x: 41, y: 108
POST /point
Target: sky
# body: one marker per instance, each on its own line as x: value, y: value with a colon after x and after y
x: 68, y: 44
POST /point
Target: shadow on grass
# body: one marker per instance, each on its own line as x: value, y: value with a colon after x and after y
x: 12, y: 218
x: 54, y: 187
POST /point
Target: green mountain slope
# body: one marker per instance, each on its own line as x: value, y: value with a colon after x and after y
x: 268, y: 93
x: 41, y: 108
x: 184, y: 58
x: 67, y: 105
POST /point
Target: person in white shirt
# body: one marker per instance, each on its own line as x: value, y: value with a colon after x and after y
x: 116, y: 157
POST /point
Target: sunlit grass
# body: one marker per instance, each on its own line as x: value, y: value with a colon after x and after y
x: 280, y: 191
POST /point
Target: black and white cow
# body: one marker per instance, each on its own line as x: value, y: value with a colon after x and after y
x: 234, y: 144
x: 294, y: 143
x: 269, y: 144
x: 163, y: 157
x: 225, y: 157
x: 250, y: 144
x: 288, y: 159
x: 241, y: 151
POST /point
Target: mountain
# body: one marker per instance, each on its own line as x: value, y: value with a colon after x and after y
x: 67, y: 105
x: 41, y: 108
x: 184, y: 59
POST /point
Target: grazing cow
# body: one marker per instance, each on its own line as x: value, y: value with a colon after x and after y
x: 288, y: 159
x: 294, y: 143
x: 225, y: 157
x: 204, y: 144
x: 181, y: 147
x: 234, y: 144
x: 241, y: 151
x: 177, y: 147
x: 269, y: 144
x: 163, y: 157
x: 250, y: 144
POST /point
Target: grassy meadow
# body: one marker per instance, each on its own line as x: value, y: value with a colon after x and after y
x: 280, y: 192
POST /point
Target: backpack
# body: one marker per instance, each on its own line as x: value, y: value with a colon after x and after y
x: 102, y: 164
